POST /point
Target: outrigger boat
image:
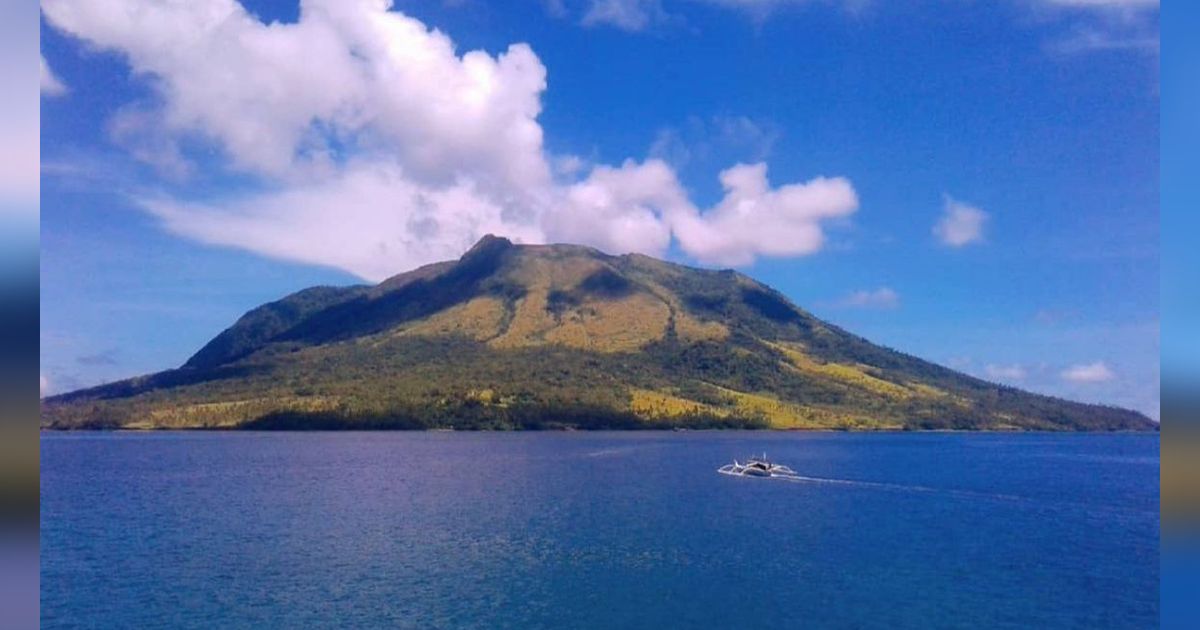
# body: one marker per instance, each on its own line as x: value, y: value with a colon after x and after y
x: 757, y: 467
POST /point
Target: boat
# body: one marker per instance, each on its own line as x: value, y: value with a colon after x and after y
x: 757, y: 466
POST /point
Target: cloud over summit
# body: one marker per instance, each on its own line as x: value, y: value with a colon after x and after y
x: 377, y: 146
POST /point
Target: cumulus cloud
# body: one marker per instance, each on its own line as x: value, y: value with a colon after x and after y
x: 43, y: 386
x: 373, y: 145
x: 51, y: 86
x: 1097, y: 372
x: 284, y: 100
x: 961, y: 224
x: 628, y: 208
x: 1005, y: 372
x: 881, y: 298
x: 754, y: 219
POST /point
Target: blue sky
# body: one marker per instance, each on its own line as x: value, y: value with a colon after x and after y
x: 972, y: 182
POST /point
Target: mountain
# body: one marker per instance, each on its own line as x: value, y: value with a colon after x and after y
x: 558, y: 336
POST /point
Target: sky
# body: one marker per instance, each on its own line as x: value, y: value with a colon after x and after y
x: 975, y: 183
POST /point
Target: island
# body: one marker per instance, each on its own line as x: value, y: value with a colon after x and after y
x: 516, y: 336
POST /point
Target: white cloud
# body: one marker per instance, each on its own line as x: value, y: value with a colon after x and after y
x: 638, y: 207
x: 43, y: 386
x: 1097, y: 372
x: 621, y: 209
x: 881, y: 298
x: 376, y: 146
x: 370, y: 220
x: 961, y: 224
x: 569, y: 165
x: 1005, y: 372
x: 284, y: 100
x: 754, y: 219
x: 51, y: 86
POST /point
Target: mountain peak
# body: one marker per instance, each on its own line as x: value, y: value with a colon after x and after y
x: 489, y: 243
x: 552, y: 335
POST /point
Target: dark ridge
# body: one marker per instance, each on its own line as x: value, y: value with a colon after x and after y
x: 261, y: 325
x: 604, y: 284
x: 770, y: 305
x: 399, y: 281
x: 713, y: 303
x: 471, y: 276
x: 608, y: 284
x: 559, y: 301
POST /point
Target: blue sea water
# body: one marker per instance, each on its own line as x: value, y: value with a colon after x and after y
x: 598, y: 530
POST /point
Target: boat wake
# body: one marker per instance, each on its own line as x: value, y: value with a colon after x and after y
x: 789, y: 474
x: 948, y: 492
x: 761, y: 467
x: 783, y: 473
x: 896, y: 487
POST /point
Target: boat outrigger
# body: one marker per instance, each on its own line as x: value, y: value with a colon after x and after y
x: 757, y: 467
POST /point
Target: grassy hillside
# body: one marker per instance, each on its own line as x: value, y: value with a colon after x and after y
x: 558, y: 336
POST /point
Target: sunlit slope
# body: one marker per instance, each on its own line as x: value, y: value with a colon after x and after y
x: 516, y: 336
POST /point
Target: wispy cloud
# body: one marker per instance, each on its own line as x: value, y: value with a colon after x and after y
x: 1082, y: 26
x: 1084, y: 39
x: 643, y: 15
x: 628, y: 15
x: 960, y: 224
x: 881, y: 298
x: 1102, y: 26
x: 1097, y: 372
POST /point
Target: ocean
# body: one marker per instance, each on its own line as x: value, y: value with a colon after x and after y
x: 598, y: 530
